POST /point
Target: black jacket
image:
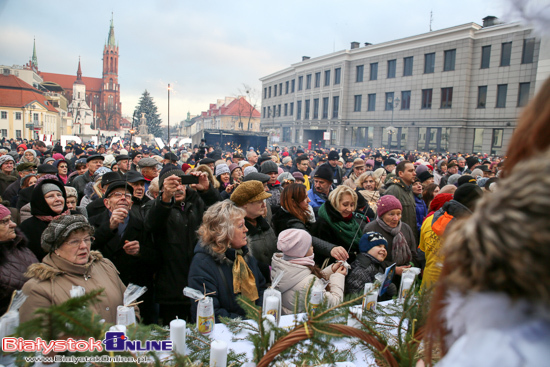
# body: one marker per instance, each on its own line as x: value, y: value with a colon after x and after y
x: 207, y: 268
x: 174, y: 228
x: 96, y: 207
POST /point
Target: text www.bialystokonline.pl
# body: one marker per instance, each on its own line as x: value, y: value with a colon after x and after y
x: 89, y: 359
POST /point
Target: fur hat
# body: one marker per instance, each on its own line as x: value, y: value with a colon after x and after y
x: 71, y: 192
x: 387, y: 203
x: 249, y: 192
x: 60, y: 229
x: 370, y: 240
x: 294, y: 242
x: 269, y: 166
x: 325, y: 172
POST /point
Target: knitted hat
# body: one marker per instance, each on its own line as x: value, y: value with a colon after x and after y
x: 468, y: 194
x: 294, y: 242
x: 439, y: 200
x: 221, y: 169
x: 370, y: 162
x: 168, y: 171
x: 249, y: 192
x: 6, y: 158
x: 286, y: 176
x: 333, y: 155
x: 60, y: 229
x: 324, y: 171
x: 370, y: 240
x: 49, y: 187
x: 471, y: 161
x: 185, y: 167
x: 269, y: 166
x: 387, y: 203
x: 423, y: 176
x: 248, y: 170
x: 30, y: 151
x: 287, y: 159
x: 453, y: 179
x: 421, y: 168
x: 4, y: 212
x: 57, y: 156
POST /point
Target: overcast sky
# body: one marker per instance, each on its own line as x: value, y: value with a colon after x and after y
x: 208, y: 49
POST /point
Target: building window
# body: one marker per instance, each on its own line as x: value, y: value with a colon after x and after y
x: 359, y: 73
x: 335, y: 106
x: 269, y: 112
x: 478, y: 140
x: 357, y: 103
x: 4, y: 133
x: 286, y: 109
x: 502, y: 90
x: 325, y: 107
x: 292, y: 85
x: 4, y: 114
x: 18, y: 115
x: 264, y: 113
x: 291, y: 112
x: 18, y: 134
x: 426, y: 99
x: 372, y: 102
x: 505, y: 53
x: 280, y: 89
x: 449, y: 62
x: 275, y: 90
x: 497, y: 138
x: 389, y: 101
x: 406, y: 100
x: 306, y: 113
x: 317, y: 80
x: 269, y: 93
x: 392, y: 64
x: 408, y: 66
x: 300, y: 83
x: 299, y: 110
x: 308, y: 81
x: 429, y: 63
x: 523, y: 95
x: 528, y: 51
x: 337, y: 74
x: 485, y: 57
x: 373, y: 71
x: 286, y: 87
x: 327, y: 78
x: 316, y: 108
x: 446, y: 97
x: 279, y: 111
x: 481, y: 96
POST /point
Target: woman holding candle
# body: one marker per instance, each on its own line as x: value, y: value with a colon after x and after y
x: 67, y: 241
x: 296, y: 261
x: 222, y: 263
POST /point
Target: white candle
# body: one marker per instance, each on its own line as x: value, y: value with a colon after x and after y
x: 268, y: 323
x: 121, y: 328
x: 272, y: 306
x: 406, y: 286
x: 218, y: 354
x: 177, y: 335
x: 358, y: 312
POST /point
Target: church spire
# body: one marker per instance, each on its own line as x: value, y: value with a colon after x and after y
x: 34, y: 58
x: 111, y: 41
x: 79, y: 71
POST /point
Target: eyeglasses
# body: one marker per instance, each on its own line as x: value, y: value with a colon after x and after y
x: 75, y: 243
x: 119, y: 195
x: 5, y: 222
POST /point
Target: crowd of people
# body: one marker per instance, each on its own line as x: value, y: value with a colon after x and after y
x: 228, y: 222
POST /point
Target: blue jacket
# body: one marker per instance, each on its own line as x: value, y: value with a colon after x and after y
x: 421, y: 211
x: 205, y: 270
x: 316, y: 200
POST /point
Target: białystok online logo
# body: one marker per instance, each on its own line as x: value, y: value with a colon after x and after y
x: 115, y: 341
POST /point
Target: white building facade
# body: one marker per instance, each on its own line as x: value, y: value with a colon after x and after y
x: 459, y: 89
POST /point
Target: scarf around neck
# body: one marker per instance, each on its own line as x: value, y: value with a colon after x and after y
x: 305, y: 261
x: 49, y: 218
x: 401, y: 252
x: 243, y: 278
x: 346, y: 230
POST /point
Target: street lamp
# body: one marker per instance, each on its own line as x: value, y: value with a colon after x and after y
x: 169, y: 115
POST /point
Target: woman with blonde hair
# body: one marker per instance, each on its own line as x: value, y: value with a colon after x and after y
x: 223, y: 265
x: 367, y: 186
x: 380, y: 176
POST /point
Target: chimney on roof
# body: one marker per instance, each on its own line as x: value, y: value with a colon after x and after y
x: 354, y: 45
x: 368, y: 44
x: 490, y: 20
x: 304, y: 58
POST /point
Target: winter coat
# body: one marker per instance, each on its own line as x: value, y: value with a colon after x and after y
x: 432, y: 230
x: 421, y: 211
x: 95, y: 207
x: 298, y: 278
x: 275, y: 200
x: 350, y: 182
x: 214, y: 271
x: 404, y: 194
x: 15, y: 258
x: 362, y: 271
x: 409, y: 236
x: 133, y: 269
x: 174, y: 230
x: 33, y: 227
x: 80, y: 182
x: 24, y: 197
x: 11, y: 192
x: 284, y: 220
x: 52, y: 280
x: 316, y: 199
x: 262, y: 243
x: 492, y: 330
x: 6, y: 180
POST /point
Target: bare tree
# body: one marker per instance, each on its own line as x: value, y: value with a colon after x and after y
x: 252, y: 96
x: 108, y: 118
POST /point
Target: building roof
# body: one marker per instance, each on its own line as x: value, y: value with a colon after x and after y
x: 16, y: 93
x: 67, y: 81
x: 237, y: 107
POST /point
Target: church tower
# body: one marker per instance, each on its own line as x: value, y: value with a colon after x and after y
x: 83, y: 116
x: 110, y: 107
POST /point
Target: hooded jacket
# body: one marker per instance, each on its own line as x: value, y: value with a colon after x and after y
x: 432, y: 230
x: 404, y: 194
x: 297, y: 278
x: 6, y: 180
x: 51, y: 283
x: 214, y: 271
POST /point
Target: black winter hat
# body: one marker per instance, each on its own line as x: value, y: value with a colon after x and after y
x: 325, y: 172
x: 464, y: 179
x: 333, y: 155
x: 471, y: 161
x: 467, y: 194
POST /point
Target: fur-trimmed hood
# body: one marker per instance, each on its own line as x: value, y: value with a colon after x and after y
x: 47, y: 270
x: 228, y: 257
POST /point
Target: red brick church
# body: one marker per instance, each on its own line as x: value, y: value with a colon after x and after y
x: 102, y: 95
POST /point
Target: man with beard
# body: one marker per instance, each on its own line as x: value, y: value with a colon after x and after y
x: 302, y: 166
x: 120, y: 237
x: 173, y: 219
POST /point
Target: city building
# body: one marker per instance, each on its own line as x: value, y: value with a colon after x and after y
x: 458, y: 89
